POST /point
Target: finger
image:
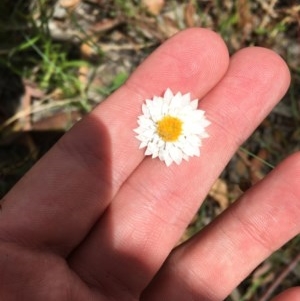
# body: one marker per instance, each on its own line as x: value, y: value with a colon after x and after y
x: 156, y: 203
x: 292, y: 294
x: 59, y: 200
x: 214, y: 262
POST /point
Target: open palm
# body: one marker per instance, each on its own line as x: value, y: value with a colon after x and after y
x: 96, y: 220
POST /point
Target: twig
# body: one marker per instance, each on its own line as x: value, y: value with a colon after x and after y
x: 280, y: 278
x: 256, y: 157
x: 32, y: 110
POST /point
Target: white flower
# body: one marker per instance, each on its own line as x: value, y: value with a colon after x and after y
x: 171, y: 127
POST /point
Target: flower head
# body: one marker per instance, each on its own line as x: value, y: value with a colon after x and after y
x: 171, y: 127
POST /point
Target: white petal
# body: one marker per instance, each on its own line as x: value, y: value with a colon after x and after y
x: 185, y: 157
x: 145, y: 122
x: 149, y: 150
x: 165, y: 108
x: 168, y: 94
x: 145, y: 110
x: 188, y: 149
x: 167, y: 158
x: 143, y: 144
x: 138, y: 130
x: 176, y: 154
x: 185, y: 99
x: 176, y: 102
x: 204, y: 135
x: 194, y: 104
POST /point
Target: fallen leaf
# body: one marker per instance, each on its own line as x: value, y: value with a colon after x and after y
x: 219, y: 192
x: 154, y: 7
x: 189, y: 14
x: 257, y: 165
x: 58, y: 121
x: 88, y: 49
x: 168, y: 26
x: 106, y: 24
x: 69, y: 3
x: 83, y: 75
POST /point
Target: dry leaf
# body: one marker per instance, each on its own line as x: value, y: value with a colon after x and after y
x: 245, y: 22
x: 189, y: 14
x: 26, y: 103
x: 84, y: 75
x: 219, y: 192
x: 168, y: 26
x: 69, y: 3
x: 256, y: 169
x: 58, y: 121
x: 33, y: 90
x: 154, y: 7
x: 88, y: 49
x: 106, y: 24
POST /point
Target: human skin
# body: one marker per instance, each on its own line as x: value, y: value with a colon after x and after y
x: 96, y: 220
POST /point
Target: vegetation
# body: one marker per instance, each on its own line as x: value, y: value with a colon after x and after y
x: 71, y: 54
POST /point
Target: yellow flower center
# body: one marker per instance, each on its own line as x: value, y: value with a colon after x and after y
x: 169, y: 128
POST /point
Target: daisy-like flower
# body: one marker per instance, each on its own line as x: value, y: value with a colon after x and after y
x: 171, y: 127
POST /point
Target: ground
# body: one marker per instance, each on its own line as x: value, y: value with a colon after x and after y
x: 58, y: 59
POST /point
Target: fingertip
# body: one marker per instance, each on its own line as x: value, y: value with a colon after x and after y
x: 199, y: 38
x: 289, y: 172
x: 266, y: 65
x: 193, y: 60
x: 288, y: 295
x: 295, y: 159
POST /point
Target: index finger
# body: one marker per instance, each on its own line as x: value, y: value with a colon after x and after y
x: 60, y: 199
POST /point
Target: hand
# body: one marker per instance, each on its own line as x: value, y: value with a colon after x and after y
x: 96, y: 220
